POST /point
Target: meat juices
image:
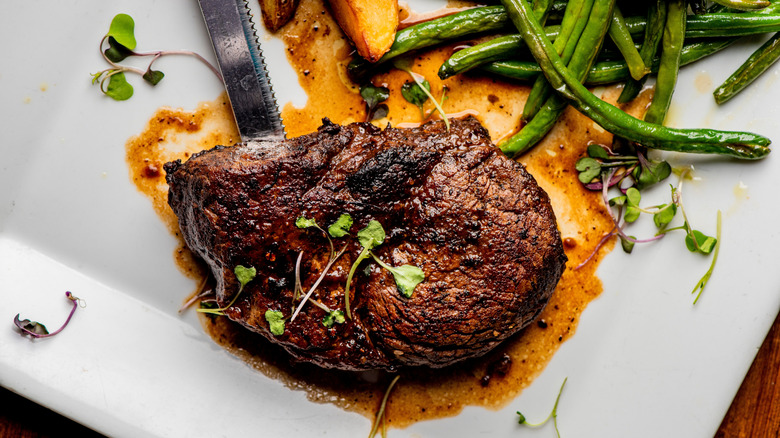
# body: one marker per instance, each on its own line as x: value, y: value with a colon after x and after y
x: 474, y: 221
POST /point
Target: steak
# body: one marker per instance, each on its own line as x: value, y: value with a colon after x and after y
x: 476, y: 223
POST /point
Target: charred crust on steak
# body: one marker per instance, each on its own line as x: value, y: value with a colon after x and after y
x: 474, y: 221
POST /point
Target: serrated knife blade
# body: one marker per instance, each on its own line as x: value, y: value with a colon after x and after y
x: 232, y: 32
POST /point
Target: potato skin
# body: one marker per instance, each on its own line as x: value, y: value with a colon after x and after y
x: 276, y: 13
x: 370, y: 24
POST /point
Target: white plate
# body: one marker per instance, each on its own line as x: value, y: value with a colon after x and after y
x: 643, y: 362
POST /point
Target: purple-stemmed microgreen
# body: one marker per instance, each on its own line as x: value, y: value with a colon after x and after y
x: 316, y: 284
x: 380, y: 414
x: 340, y: 228
x: 244, y: 275
x: 118, y: 44
x: 553, y: 414
x: 199, y: 296
x: 38, y: 330
x: 603, y: 169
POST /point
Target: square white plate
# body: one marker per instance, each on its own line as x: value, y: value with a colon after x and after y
x: 644, y: 361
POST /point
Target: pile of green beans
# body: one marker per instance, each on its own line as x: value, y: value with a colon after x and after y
x: 559, y: 45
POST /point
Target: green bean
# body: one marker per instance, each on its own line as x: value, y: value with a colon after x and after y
x: 722, y: 25
x: 587, y: 48
x: 743, y: 5
x: 757, y: 63
x: 656, y: 19
x: 620, y: 35
x: 672, y: 44
x: 574, y: 21
x: 440, y: 30
x: 742, y: 145
x: 607, y: 72
x: 538, y: 90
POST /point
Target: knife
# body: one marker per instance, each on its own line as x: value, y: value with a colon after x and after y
x: 240, y: 59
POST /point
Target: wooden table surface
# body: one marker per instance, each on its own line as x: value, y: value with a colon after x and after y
x: 755, y: 411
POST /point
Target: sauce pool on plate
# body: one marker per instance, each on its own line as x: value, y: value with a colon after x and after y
x: 319, y: 52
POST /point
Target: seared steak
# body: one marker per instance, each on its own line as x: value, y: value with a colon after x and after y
x: 451, y: 203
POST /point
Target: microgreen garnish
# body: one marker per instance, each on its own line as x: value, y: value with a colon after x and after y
x: 275, y: 320
x: 341, y: 227
x: 407, y: 277
x: 706, y: 277
x: 374, y: 96
x: 333, y: 317
x: 307, y: 297
x: 414, y: 94
x: 380, y: 414
x: 603, y: 169
x: 120, y: 41
x: 369, y: 237
x: 244, y: 275
x: 405, y: 64
x: 553, y: 414
x: 303, y: 223
x: 37, y: 330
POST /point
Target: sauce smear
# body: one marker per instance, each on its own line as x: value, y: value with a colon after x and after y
x: 319, y: 52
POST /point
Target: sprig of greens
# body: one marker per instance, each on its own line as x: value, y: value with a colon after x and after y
x: 405, y: 64
x: 553, y: 414
x: 121, y: 42
x: 36, y: 330
x: 406, y: 277
x: 340, y: 228
x: 603, y: 169
x: 244, y: 275
x: 706, y: 277
x: 380, y: 414
x: 374, y: 96
x: 369, y: 237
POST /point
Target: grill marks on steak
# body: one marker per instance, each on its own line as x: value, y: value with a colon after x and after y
x: 475, y: 222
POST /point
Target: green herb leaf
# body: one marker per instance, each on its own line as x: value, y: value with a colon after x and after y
x: 654, y: 172
x: 116, y: 52
x: 414, y: 94
x: 407, y: 277
x: 303, y: 222
x: 31, y: 327
x: 588, y: 168
x: 275, y: 320
x: 597, y: 151
x: 372, y: 95
x: 244, y: 275
x: 333, y: 317
x: 664, y: 215
x: 618, y: 200
x: 341, y: 227
x: 626, y: 244
x: 520, y: 418
x: 372, y: 235
x: 118, y: 88
x: 121, y: 29
x: 704, y: 242
x: 633, y: 197
x: 153, y: 76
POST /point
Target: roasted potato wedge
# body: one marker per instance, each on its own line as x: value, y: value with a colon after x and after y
x: 370, y: 24
x: 276, y: 13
